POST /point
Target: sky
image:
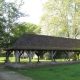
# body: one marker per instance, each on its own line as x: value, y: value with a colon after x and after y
x: 34, y: 9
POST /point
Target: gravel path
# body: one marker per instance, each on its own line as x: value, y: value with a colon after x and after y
x: 11, y: 75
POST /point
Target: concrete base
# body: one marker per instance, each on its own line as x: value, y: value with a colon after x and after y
x: 24, y: 66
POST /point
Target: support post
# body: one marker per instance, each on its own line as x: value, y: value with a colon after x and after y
x: 20, y: 53
x: 74, y: 56
x: 68, y: 55
x: 77, y: 53
x: 38, y: 59
x: 7, y: 56
x: 30, y: 56
x: 17, y: 56
x: 52, y: 55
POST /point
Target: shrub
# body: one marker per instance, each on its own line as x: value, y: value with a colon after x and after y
x: 2, y: 55
x: 47, y: 56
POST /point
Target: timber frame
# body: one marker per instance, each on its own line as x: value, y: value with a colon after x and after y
x: 32, y: 43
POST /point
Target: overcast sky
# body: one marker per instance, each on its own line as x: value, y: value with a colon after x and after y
x: 33, y: 8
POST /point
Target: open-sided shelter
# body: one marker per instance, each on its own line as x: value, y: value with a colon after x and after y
x: 38, y: 44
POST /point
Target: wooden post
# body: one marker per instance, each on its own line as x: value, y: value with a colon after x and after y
x: 30, y: 56
x: 17, y: 56
x: 38, y: 58
x: 74, y: 56
x: 38, y: 54
x: 20, y: 53
x: 77, y: 53
x: 7, y: 56
x: 68, y: 53
x: 52, y: 55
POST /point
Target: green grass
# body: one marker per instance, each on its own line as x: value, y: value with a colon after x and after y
x: 65, y: 72
x: 12, y: 59
x: 2, y: 59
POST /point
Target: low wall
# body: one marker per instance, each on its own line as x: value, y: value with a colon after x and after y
x: 23, y: 66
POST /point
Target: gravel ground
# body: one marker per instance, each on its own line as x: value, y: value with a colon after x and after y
x: 10, y: 75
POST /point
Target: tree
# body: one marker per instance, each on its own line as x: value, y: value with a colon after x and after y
x: 61, y: 18
x: 21, y: 28
x: 9, y: 13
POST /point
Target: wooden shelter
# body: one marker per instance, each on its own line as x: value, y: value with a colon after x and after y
x: 32, y: 43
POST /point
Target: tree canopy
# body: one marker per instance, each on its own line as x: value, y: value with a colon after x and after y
x: 61, y: 18
x: 10, y: 28
x: 19, y: 29
x: 9, y: 13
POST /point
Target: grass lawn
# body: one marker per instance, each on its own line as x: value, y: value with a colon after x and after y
x: 62, y: 72
x: 12, y: 59
x: 2, y: 59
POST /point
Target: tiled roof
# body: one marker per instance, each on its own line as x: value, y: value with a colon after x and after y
x: 41, y: 42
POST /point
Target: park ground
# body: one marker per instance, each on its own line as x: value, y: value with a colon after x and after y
x: 58, y: 72
x: 11, y: 75
x: 55, y: 72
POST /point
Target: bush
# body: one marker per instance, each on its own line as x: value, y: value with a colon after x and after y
x: 2, y: 55
x: 47, y: 56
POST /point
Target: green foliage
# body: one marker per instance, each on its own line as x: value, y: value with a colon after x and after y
x: 2, y: 55
x: 47, y: 56
x: 10, y: 29
x: 61, y: 18
x: 20, y: 29
x: 40, y: 54
x: 9, y: 13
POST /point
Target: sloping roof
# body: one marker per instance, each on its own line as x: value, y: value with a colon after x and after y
x: 41, y: 42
